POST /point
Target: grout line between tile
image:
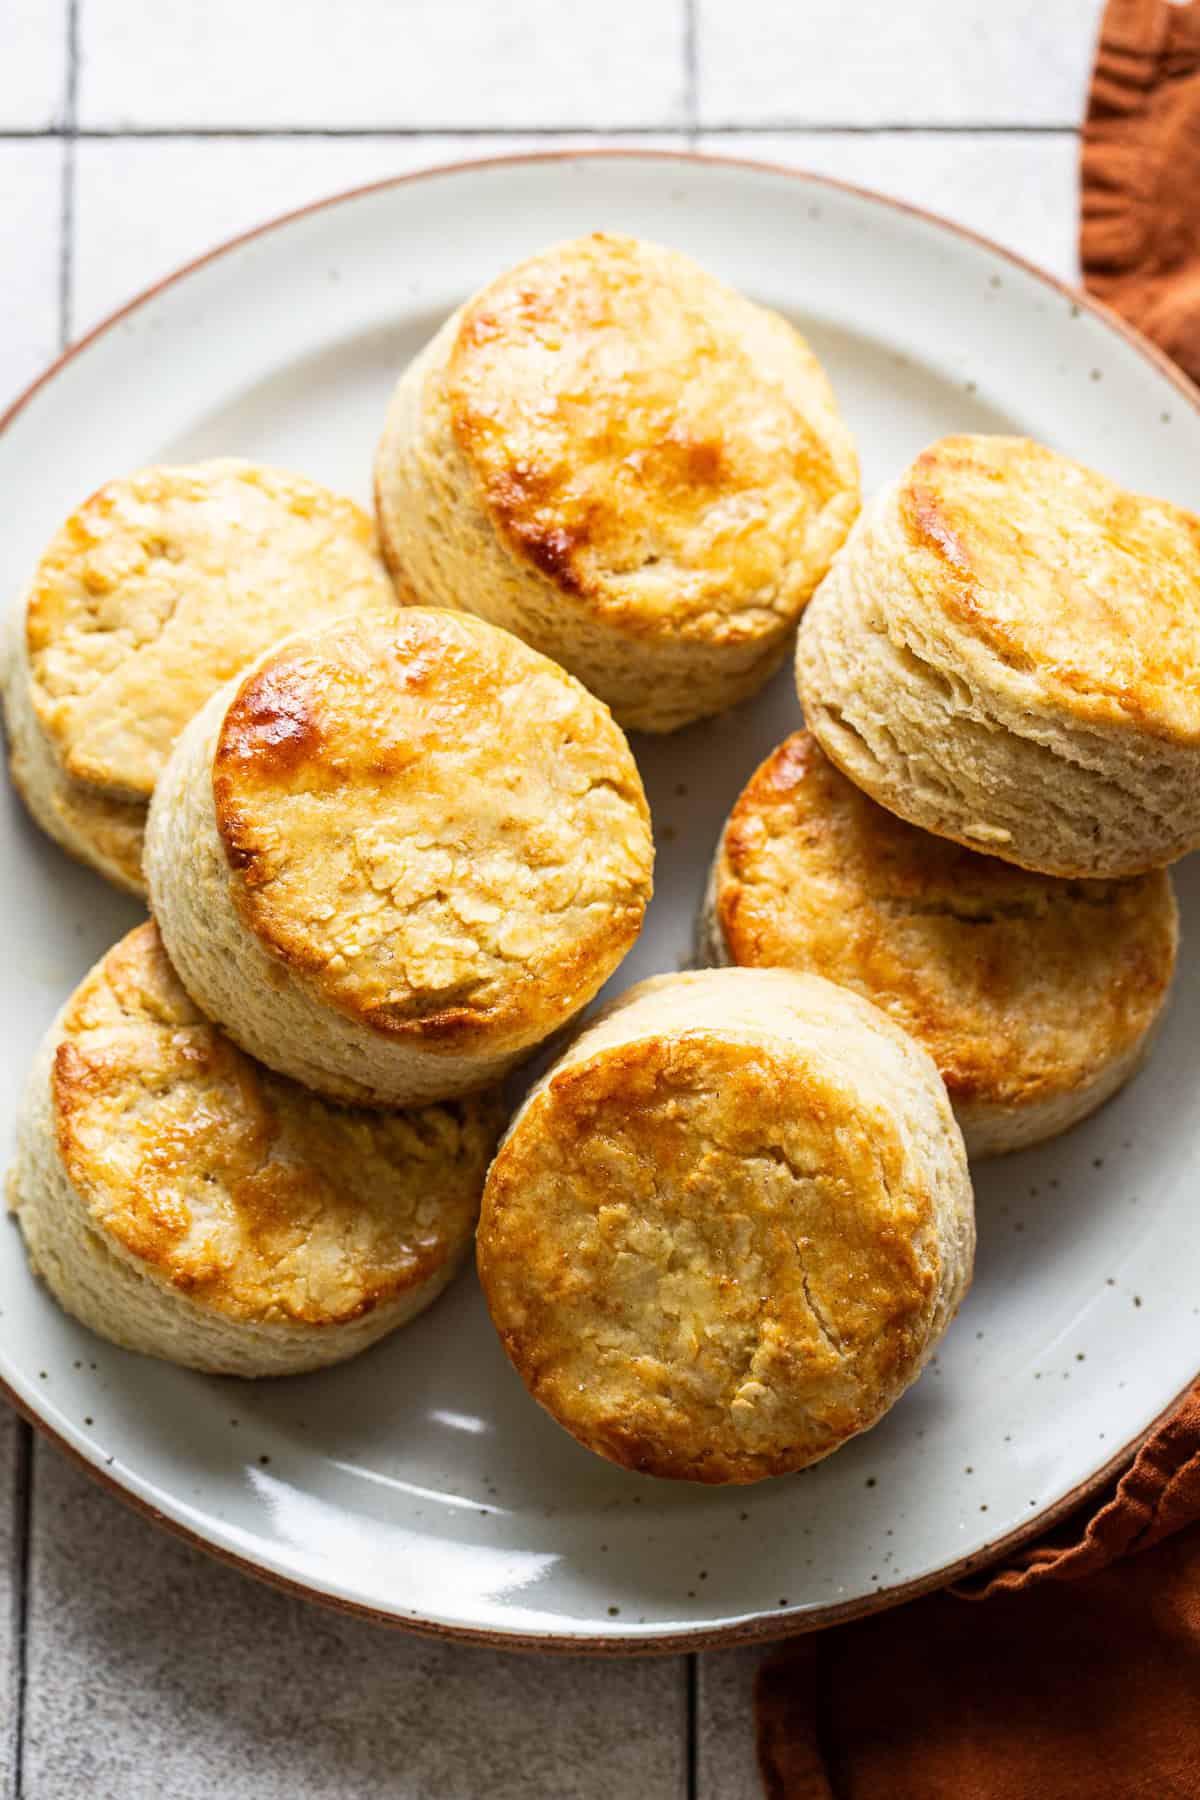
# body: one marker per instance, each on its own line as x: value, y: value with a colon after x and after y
x: 22, y: 1505
x: 691, y: 71
x: 66, y: 242
x: 71, y: 108
x: 22, y: 1498
x: 892, y: 127
x: 66, y: 249
x: 760, y: 128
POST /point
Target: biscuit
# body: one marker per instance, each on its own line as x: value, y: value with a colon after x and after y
x: 1007, y: 653
x: 619, y: 458
x: 185, y: 1202
x: 728, y: 1227
x: 398, y: 853
x: 1036, y: 997
x: 156, y: 591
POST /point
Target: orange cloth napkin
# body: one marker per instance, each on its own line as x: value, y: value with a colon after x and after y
x: 1140, y: 235
x: 1058, y: 1688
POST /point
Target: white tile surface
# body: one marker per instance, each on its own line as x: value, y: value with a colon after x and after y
x: 726, y: 1763
x: 876, y: 62
x: 30, y: 230
x: 394, y: 63
x: 145, y: 206
x: 1021, y: 190
x: 33, y: 64
x: 155, y: 1672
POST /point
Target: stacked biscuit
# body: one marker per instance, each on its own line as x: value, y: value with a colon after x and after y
x: 255, y: 1138
x: 393, y: 839
x: 999, y: 680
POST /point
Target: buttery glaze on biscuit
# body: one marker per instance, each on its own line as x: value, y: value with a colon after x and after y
x: 183, y: 1201
x: 157, y: 590
x: 728, y: 1227
x: 1007, y: 653
x: 614, y: 455
x: 398, y: 853
x: 1036, y: 997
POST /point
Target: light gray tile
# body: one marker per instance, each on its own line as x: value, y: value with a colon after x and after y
x: 726, y: 1765
x: 1021, y: 190
x: 33, y: 64
x: 951, y: 62
x: 30, y: 215
x: 155, y: 1671
x: 143, y: 207
x: 13, y: 1460
x: 376, y: 63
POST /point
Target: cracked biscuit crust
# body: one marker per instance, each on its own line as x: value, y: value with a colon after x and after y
x: 163, y: 585
x: 1058, y: 571
x: 1007, y: 653
x: 158, y: 589
x: 438, y: 828
x: 185, y: 1201
x: 1034, y: 996
x: 727, y: 1229
x: 618, y: 457
x: 397, y: 854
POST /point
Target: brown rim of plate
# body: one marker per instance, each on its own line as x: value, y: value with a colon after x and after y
x: 764, y: 1627
x: 761, y: 1628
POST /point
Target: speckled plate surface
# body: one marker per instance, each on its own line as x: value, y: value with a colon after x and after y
x: 420, y: 1482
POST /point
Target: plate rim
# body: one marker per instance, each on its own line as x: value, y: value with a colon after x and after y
x: 755, y: 1629
x: 761, y: 1628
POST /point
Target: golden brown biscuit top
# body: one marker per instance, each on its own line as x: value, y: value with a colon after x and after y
x: 435, y: 825
x: 164, y: 585
x: 648, y: 438
x: 706, y: 1259
x: 240, y: 1188
x: 1020, y: 986
x: 1061, y: 573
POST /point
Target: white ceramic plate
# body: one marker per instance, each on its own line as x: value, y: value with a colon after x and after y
x: 421, y: 1482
